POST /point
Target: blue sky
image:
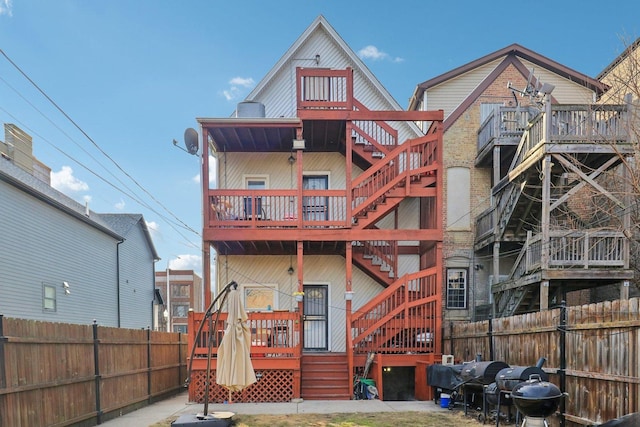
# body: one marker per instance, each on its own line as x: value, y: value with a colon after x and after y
x: 129, y: 76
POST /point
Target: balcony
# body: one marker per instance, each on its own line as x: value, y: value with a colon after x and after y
x: 284, y: 209
x: 274, y: 334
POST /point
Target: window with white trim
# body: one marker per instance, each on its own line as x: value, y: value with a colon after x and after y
x: 457, y: 288
x: 49, y: 302
x: 260, y: 297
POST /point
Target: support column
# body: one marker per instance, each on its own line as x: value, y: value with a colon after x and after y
x: 624, y: 290
x: 544, y: 295
x: 348, y: 307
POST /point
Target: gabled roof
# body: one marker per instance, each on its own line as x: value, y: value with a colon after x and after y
x: 633, y: 46
x: 38, y: 189
x: 515, y: 51
x: 124, y: 222
x: 356, y: 63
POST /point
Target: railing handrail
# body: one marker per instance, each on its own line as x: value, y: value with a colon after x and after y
x: 264, y: 333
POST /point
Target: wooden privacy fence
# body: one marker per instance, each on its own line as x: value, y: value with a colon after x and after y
x: 58, y: 374
x: 591, y: 350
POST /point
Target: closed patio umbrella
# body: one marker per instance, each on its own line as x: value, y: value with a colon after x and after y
x: 235, y: 370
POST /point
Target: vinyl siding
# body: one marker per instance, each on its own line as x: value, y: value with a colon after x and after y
x: 450, y: 94
x: 318, y: 269
x: 42, y: 244
x: 279, y: 95
x: 136, y: 280
x: 234, y: 166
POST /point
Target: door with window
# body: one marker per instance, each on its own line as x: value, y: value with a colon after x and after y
x: 253, y: 206
x: 316, y: 315
x: 315, y: 208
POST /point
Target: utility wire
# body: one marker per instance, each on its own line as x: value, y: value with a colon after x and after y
x: 93, y: 142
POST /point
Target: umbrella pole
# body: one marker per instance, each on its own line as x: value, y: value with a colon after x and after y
x: 208, y: 314
x: 208, y: 374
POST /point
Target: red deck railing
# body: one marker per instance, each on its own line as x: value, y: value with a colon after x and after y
x: 274, y: 334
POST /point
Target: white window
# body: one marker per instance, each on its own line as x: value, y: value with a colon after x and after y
x: 457, y: 288
x: 255, y: 182
x: 48, y: 297
x: 255, y: 205
x: 260, y: 297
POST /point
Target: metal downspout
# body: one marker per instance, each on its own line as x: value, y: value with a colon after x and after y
x: 118, y: 278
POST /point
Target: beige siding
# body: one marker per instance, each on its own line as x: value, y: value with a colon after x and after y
x: 449, y: 95
x: 233, y: 167
x: 318, y: 269
x: 566, y: 91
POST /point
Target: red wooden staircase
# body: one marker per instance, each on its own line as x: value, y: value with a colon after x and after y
x: 403, y: 318
x: 325, y: 376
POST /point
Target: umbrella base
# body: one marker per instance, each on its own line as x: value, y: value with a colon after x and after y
x: 197, y: 420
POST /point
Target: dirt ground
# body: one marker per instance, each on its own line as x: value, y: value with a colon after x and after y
x: 378, y: 419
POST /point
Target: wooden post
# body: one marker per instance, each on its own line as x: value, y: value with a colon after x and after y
x: 544, y: 295
x: 348, y: 308
x: 96, y: 369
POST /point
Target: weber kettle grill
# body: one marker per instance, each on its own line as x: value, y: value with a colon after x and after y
x: 536, y: 400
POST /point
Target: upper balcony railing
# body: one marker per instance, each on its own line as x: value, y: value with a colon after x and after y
x: 504, y: 124
x: 322, y: 88
x: 278, y: 208
x: 578, y: 125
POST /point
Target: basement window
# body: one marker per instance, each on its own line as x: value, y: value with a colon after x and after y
x: 457, y: 288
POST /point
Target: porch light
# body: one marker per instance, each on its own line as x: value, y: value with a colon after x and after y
x: 348, y: 295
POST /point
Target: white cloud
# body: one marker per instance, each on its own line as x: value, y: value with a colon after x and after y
x: 5, y: 7
x: 186, y: 262
x: 87, y: 198
x: 212, y: 173
x: 64, y: 181
x: 375, y: 54
x: 241, y: 81
x: 153, y: 228
x: 120, y: 205
x: 235, y: 90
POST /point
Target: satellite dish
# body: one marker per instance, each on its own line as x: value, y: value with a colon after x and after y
x: 191, y: 140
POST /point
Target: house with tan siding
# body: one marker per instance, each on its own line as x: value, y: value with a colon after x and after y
x: 327, y: 216
x: 524, y: 147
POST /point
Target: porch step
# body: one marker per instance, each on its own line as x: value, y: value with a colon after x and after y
x: 325, y: 376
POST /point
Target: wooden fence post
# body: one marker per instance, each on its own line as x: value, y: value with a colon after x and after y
x: 3, y: 339
x: 490, y: 334
x: 451, y: 338
x: 149, y: 368
x: 96, y: 367
x: 563, y: 358
x: 180, y: 383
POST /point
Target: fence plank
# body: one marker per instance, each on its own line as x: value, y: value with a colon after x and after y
x: 50, y: 371
x: 602, y: 356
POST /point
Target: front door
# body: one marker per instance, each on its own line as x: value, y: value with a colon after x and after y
x: 315, y: 315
